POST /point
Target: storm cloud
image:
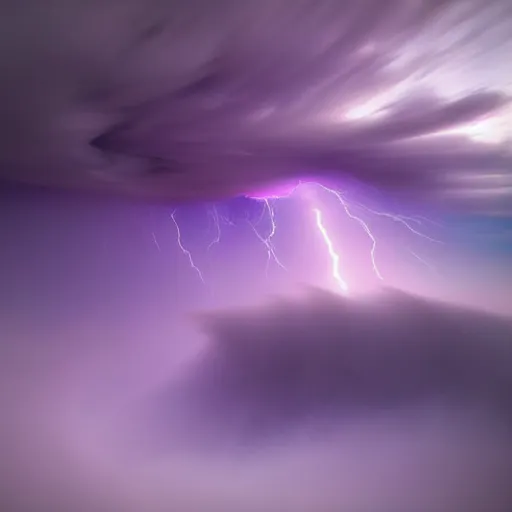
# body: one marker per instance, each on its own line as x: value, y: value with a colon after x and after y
x: 185, y: 100
x: 324, y: 356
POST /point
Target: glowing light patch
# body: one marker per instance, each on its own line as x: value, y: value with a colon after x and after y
x: 489, y: 131
x: 277, y: 191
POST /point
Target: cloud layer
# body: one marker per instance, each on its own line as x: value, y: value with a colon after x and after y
x: 277, y: 367
x: 185, y: 100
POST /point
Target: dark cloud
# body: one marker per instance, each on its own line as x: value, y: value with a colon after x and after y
x: 180, y: 99
x: 272, y: 370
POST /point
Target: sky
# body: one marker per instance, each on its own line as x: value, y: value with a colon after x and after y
x: 255, y: 256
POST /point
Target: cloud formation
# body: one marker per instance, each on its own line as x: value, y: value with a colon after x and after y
x: 327, y: 356
x: 185, y: 100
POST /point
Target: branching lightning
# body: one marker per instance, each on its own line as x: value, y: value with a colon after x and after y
x: 404, y: 220
x: 361, y: 222
x: 267, y: 241
x: 183, y: 250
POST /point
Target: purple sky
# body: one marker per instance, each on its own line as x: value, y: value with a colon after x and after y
x: 130, y: 382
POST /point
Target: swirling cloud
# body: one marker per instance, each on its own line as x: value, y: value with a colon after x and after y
x: 186, y: 100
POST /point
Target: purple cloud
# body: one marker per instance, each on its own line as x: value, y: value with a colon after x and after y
x: 179, y: 100
x: 328, y: 356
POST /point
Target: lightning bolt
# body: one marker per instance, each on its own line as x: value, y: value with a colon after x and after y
x: 361, y: 222
x: 185, y: 251
x: 267, y: 242
x: 335, y: 259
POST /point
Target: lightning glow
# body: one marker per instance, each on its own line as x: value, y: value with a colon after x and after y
x: 183, y: 250
x: 335, y: 259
